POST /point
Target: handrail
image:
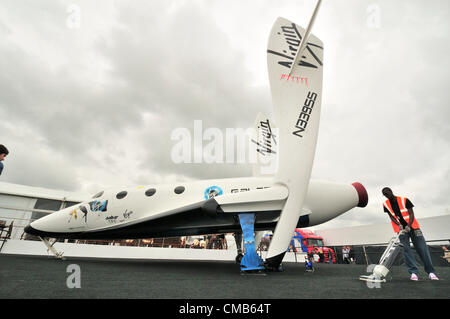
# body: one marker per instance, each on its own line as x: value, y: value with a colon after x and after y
x: 28, y: 209
x: 16, y: 218
x: 29, y: 220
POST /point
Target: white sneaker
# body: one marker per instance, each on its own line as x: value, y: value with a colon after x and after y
x: 433, y: 276
x: 414, y: 277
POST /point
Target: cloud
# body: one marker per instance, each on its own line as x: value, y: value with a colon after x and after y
x: 95, y: 106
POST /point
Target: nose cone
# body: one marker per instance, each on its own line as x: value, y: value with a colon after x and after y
x: 55, y: 225
x: 36, y: 232
x: 31, y: 231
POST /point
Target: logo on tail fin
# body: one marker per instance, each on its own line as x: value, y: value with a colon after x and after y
x: 265, y: 138
x: 293, y: 38
x: 303, y: 118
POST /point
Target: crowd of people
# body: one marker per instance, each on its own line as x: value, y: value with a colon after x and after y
x: 205, y: 242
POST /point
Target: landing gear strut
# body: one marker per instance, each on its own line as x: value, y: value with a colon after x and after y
x: 238, y: 240
x: 251, y: 262
x: 50, y: 247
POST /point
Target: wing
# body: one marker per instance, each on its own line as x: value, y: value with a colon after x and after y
x: 268, y: 199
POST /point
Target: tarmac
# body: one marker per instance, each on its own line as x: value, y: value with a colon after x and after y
x: 37, y: 277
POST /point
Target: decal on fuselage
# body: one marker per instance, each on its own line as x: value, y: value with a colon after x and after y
x: 73, y: 213
x: 212, y: 191
x: 246, y: 189
x: 97, y: 206
x: 111, y: 219
x: 127, y: 214
x: 94, y: 206
x: 83, y: 209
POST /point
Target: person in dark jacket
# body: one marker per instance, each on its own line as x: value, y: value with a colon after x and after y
x: 3, y: 152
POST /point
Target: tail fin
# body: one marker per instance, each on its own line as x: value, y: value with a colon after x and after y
x: 296, y: 100
x: 298, y: 55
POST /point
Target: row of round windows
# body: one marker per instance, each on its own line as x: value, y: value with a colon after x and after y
x: 149, y: 192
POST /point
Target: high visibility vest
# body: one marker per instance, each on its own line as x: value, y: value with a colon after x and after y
x: 403, y: 210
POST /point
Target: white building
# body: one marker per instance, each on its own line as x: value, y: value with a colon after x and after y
x: 22, y: 204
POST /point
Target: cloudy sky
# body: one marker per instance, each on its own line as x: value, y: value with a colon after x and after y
x: 90, y: 93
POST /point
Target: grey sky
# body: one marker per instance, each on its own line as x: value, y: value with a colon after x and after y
x: 92, y: 107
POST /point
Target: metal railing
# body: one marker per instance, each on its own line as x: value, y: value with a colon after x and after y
x: 175, y: 242
x: 19, y: 223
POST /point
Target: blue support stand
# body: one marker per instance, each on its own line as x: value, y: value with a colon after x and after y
x: 251, y: 259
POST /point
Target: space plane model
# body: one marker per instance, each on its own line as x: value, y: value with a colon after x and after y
x: 286, y: 200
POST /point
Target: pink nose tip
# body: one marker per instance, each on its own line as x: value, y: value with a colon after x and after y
x: 362, y: 194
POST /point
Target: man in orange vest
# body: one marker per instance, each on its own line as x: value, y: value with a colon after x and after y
x: 400, y: 210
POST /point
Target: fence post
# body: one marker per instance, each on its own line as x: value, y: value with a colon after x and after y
x: 365, y: 255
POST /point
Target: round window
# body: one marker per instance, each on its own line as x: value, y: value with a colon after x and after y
x: 121, y: 195
x: 179, y: 189
x: 150, y: 192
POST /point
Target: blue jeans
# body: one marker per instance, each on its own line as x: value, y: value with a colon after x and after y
x: 422, y: 249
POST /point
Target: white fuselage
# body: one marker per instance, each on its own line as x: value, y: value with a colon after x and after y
x: 107, y: 216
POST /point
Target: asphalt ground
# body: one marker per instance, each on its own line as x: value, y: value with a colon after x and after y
x: 31, y: 277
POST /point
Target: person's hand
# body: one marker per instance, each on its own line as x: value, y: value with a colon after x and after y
x: 407, y: 229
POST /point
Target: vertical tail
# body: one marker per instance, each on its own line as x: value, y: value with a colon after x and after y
x: 305, y: 37
x: 296, y: 96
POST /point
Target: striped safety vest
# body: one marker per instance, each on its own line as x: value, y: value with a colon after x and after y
x: 403, y: 210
